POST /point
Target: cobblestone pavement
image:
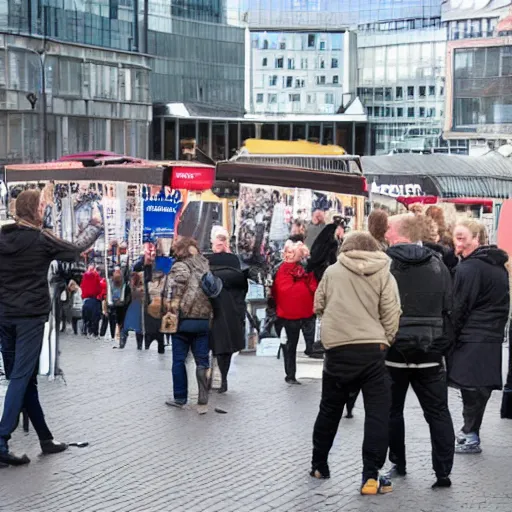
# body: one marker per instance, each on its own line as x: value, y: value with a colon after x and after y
x: 144, y: 456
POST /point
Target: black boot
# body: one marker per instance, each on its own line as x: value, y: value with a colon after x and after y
x: 50, y: 447
x: 140, y: 339
x: 161, y: 345
x: 122, y: 340
x: 224, y: 362
x: 202, y: 384
x: 9, y: 459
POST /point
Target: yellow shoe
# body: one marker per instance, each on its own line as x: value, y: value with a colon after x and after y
x: 370, y: 487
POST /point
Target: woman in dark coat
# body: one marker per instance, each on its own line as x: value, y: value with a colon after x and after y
x: 229, y: 308
x: 480, y: 313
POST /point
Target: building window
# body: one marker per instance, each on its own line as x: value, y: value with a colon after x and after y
x: 322, y: 45
x: 379, y: 94
x: 279, y: 63
x: 259, y: 98
x: 376, y: 111
x: 399, y: 112
x: 304, y: 63
x: 399, y: 93
x: 387, y: 112
x: 264, y: 62
x: 410, y: 112
x: 311, y: 40
x: 431, y: 112
x: 422, y: 111
x: 335, y: 79
x: 272, y: 80
x: 369, y: 111
x: 291, y: 63
x: 282, y: 45
x: 294, y: 98
x: 441, y: 90
x: 410, y: 92
x: 388, y: 93
x: 311, y: 98
x: 289, y: 81
x: 272, y: 99
x: 320, y: 80
x: 431, y: 90
x: 322, y: 64
x: 423, y: 91
x: 329, y: 98
x: 334, y: 63
x: 299, y: 83
x: 265, y: 44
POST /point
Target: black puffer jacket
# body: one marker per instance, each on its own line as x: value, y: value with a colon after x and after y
x: 324, y: 252
x: 480, y: 313
x: 425, y: 333
x: 25, y: 257
x: 447, y: 253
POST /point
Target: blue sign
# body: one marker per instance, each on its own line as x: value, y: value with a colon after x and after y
x: 160, y: 217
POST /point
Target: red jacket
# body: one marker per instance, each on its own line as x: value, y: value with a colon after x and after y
x: 294, y: 291
x: 91, y: 287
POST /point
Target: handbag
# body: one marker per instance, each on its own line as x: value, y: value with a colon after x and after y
x: 156, y: 308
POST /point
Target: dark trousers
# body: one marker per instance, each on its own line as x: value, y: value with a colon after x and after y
x: 474, y: 403
x: 74, y: 324
x: 91, y: 315
x: 506, y: 402
x: 149, y: 337
x: 224, y: 362
x: 356, y: 369
x: 293, y: 329
x: 109, y: 320
x: 430, y: 387
x: 22, y: 339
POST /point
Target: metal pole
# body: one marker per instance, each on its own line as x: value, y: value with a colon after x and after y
x: 43, y: 106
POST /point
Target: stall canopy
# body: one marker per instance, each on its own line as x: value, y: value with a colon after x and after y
x: 446, y: 176
x: 306, y: 165
x: 182, y: 174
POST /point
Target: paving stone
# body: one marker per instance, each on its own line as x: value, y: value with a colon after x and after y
x: 146, y: 457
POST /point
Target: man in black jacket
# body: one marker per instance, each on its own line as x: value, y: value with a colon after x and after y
x: 26, y: 252
x: 423, y: 338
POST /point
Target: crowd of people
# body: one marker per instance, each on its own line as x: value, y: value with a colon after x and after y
x: 415, y: 301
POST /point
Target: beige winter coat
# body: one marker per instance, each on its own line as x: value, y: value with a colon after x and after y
x: 358, y: 300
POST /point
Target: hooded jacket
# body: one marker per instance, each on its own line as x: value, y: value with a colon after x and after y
x: 25, y: 257
x: 358, y: 301
x: 480, y: 313
x: 185, y: 287
x: 425, y: 333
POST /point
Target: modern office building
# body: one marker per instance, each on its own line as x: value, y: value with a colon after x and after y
x: 106, y: 62
x: 479, y: 75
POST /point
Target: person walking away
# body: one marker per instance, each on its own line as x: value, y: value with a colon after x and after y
x: 26, y: 252
x: 315, y: 227
x: 135, y: 305
x: 506, y: 402
x: 76, y: 302
x: 154, y: 283
x: 91, y: 290
x: 480, y: 313
x: 423, y: 338
x: 293, y: 291
x: 378, y: 226
x: 229, y: 308
x: 189, y: 303
x: 358, y: 302
x: 115, y: 299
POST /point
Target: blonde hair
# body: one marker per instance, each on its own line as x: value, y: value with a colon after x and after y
x: 219, y: 232
x: 430, y: 229
x: 408, y: 226
x: 474, y: 227
x: 417, y: 208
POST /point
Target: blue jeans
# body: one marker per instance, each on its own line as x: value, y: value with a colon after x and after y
x: 182, y: 342
x: 91, y: 316
x: 21, y: 340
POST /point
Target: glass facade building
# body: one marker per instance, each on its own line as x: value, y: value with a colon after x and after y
x: 296, y: 72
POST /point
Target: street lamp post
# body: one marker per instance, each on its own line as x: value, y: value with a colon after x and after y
x: 32, y: 98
